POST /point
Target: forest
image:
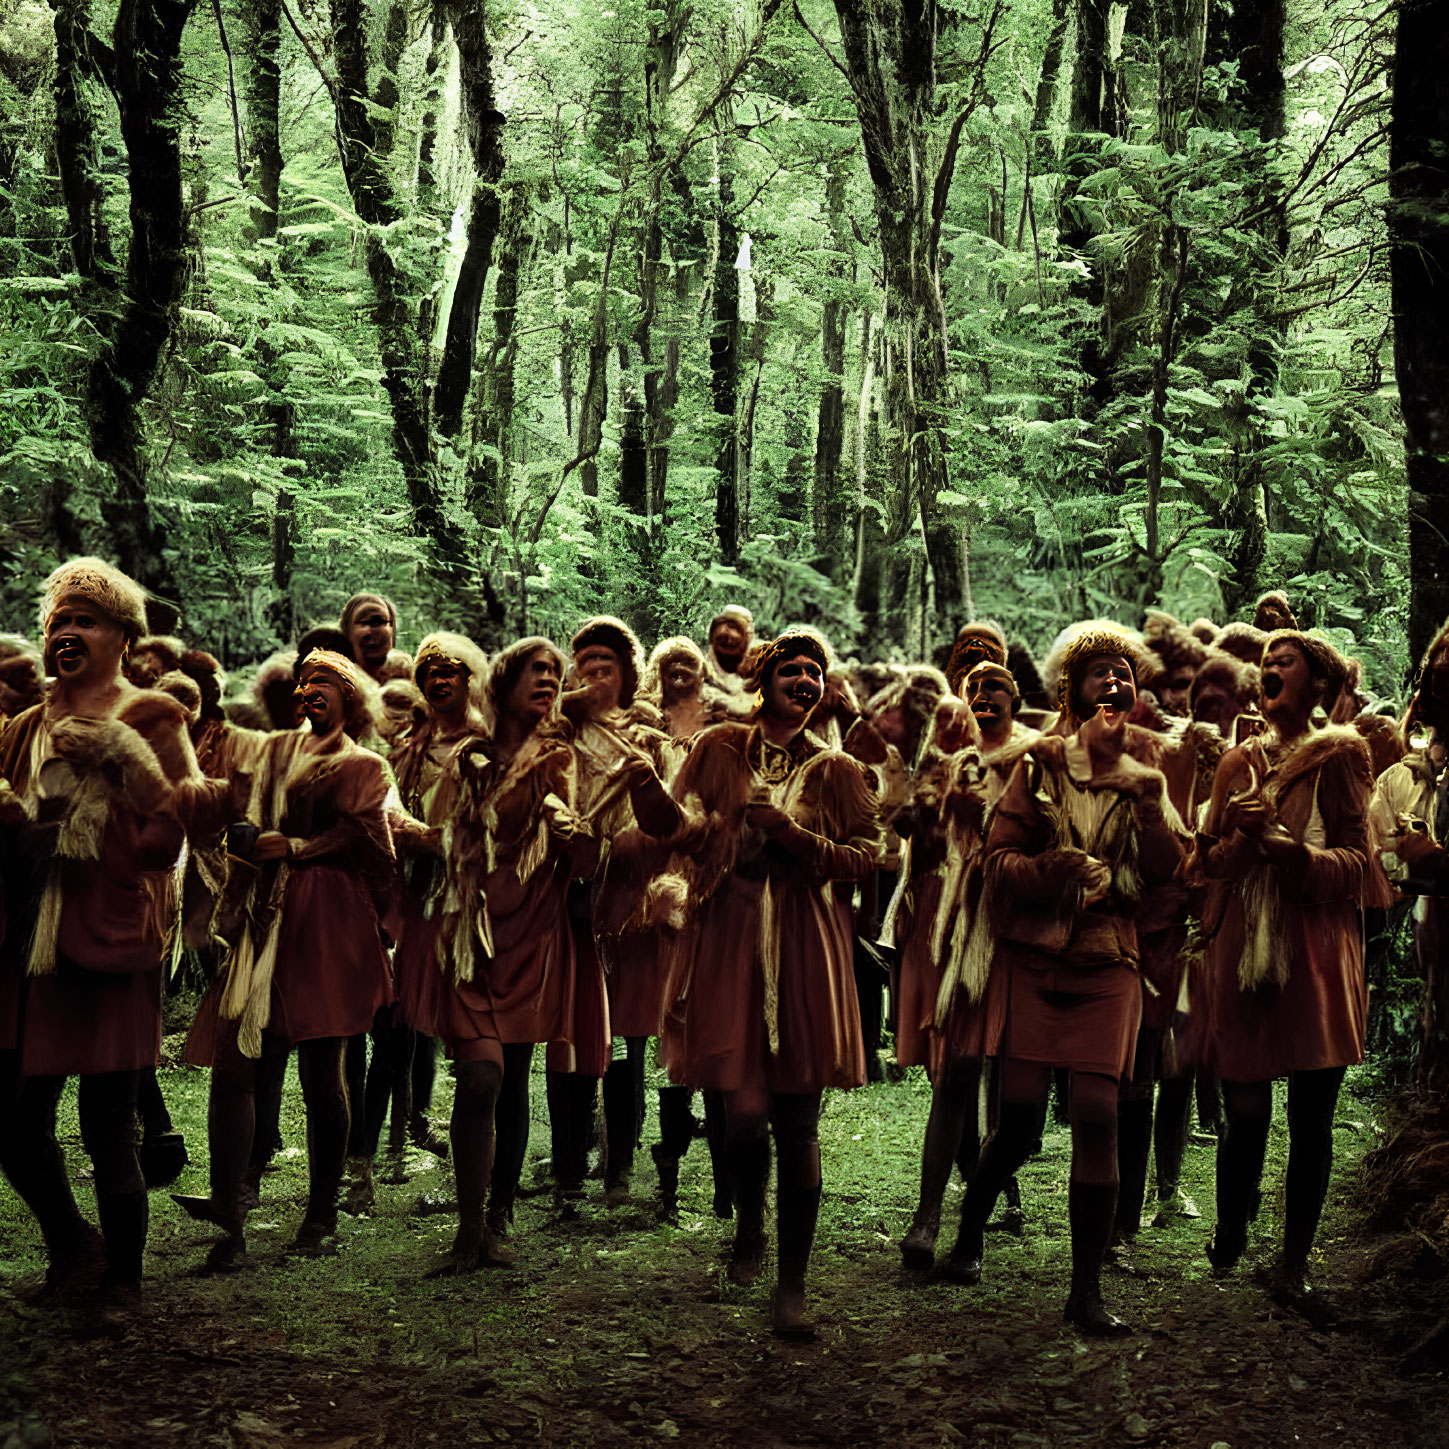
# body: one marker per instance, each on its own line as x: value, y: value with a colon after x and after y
x: 879, y: 316
x: 876, y: 315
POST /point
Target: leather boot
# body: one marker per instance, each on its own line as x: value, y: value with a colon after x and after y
x: 749, y: 1160
x: 1092, y: 1207
x: 124, y: 1217
x: 798, y: 1209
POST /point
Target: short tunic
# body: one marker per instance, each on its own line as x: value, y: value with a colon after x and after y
x: 1315, y: 1018
x: 776, y: 914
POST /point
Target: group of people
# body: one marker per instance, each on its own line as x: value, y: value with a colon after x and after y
x: 1145, y: 864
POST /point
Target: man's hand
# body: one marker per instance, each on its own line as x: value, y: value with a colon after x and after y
x: 1105, y: 737
x: 1095, y: 879
x: 1252, y: 816
x: 271, y: 845
x: 1415, y: 847
x: 1278, y: 846
x: 765, y: 816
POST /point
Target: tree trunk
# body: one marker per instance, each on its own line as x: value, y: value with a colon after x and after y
x: 724, y: 362
x: 890, y: 59
x: 829, y: 516
x: 488, y: 491
x: 1419, y: 264
x: 375, y: 203
x: 485, y: 138
x: 147, y: 46
x: 75, y: 143
x: 262, y: 88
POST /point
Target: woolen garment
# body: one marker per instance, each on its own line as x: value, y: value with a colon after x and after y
x: 636, y: 984
x: 761, y: 989
x: 524, y: 990
x: 918, y: 976
x: 1074, y: 995
x: 332, y: 969
x: 1285, y: 961
x: 99, y: 1010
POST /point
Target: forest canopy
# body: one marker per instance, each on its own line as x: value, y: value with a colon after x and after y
x: 876, y: 315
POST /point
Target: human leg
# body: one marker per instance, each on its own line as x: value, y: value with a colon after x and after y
x: 795, y: 1121
x: 1092, y: 1197
x: 1247, y: 1112
x: 475, y: 1101
x: 747, y: 1151
x: 324, y: 1091
x: 1312, y: 1100
x: 952, y: 1120
x: 1024, y: 1090
x: 34, y: 1165
x: 106, y: 1104
x: 1169, y: 1143
x: 511, y: 1135
x: 623, y: 1086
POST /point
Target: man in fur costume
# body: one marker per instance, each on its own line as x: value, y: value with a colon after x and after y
x: 981, y: 639
x: 1285, y: 848
x: 370, y: 623
x: 942, y: 1008
x: 101, y: 787
x: 731, y: 633
x: 760, y: 999
x: 619, y: 791
x: 308, y: 967
x: 1082, y: 831
x: 1180, y: 656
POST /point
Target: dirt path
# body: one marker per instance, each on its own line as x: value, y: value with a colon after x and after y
x: 613, y: 1330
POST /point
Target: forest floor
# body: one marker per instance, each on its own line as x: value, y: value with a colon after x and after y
x: 616, y: 1330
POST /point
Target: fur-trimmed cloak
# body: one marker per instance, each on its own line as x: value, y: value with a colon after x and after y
x: 1285, y: 955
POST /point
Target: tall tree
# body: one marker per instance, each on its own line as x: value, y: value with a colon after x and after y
x: 1419, y: 217
x: 484, y: 123
x: 892, y: 65
x: 147, y: 48
x: 377, y: 206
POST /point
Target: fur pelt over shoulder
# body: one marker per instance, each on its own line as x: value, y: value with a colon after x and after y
x: 1263, y: 960
x: 829, y: 794
x: 99, y: 767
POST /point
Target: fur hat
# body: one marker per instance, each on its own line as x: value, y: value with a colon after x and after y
x: 1171, y: 642
x: 734, y: 614
x: 680, y: 646
x: 454, y: 649
x: 114, y: 593
x: 615, y: 635
x: 1273, y: 611
x: 795, y: 641
x: 1067, y: 649
x: 1088, y: 641
x: 1326, y: 666
x: 1242, y: 641
x: 508, y: 665
x: 1203, y: 629
x: 980, y: 639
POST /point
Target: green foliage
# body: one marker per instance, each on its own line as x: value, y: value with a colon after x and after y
x: 1057, y: 280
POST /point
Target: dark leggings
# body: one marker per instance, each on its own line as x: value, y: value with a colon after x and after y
x: 511, y: 1123
x: 794, y: 1120
x: 242, y: 1118
x: 953, y: 1132
x: 32, y: 1160
x: 1092, y: 1197
x: 389, y: 1083
x: 571, y: 1099
x: 624, y: 1109
x: 1248, y: 1106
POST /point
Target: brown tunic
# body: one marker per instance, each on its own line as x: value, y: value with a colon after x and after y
x: 99, y: 1010
x: 1074, y: 997
x: 761, y: 993
x: 524, y: 990
x: 1285, y: 960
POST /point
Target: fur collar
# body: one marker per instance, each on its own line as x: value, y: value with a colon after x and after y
x: 1312, y: 751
